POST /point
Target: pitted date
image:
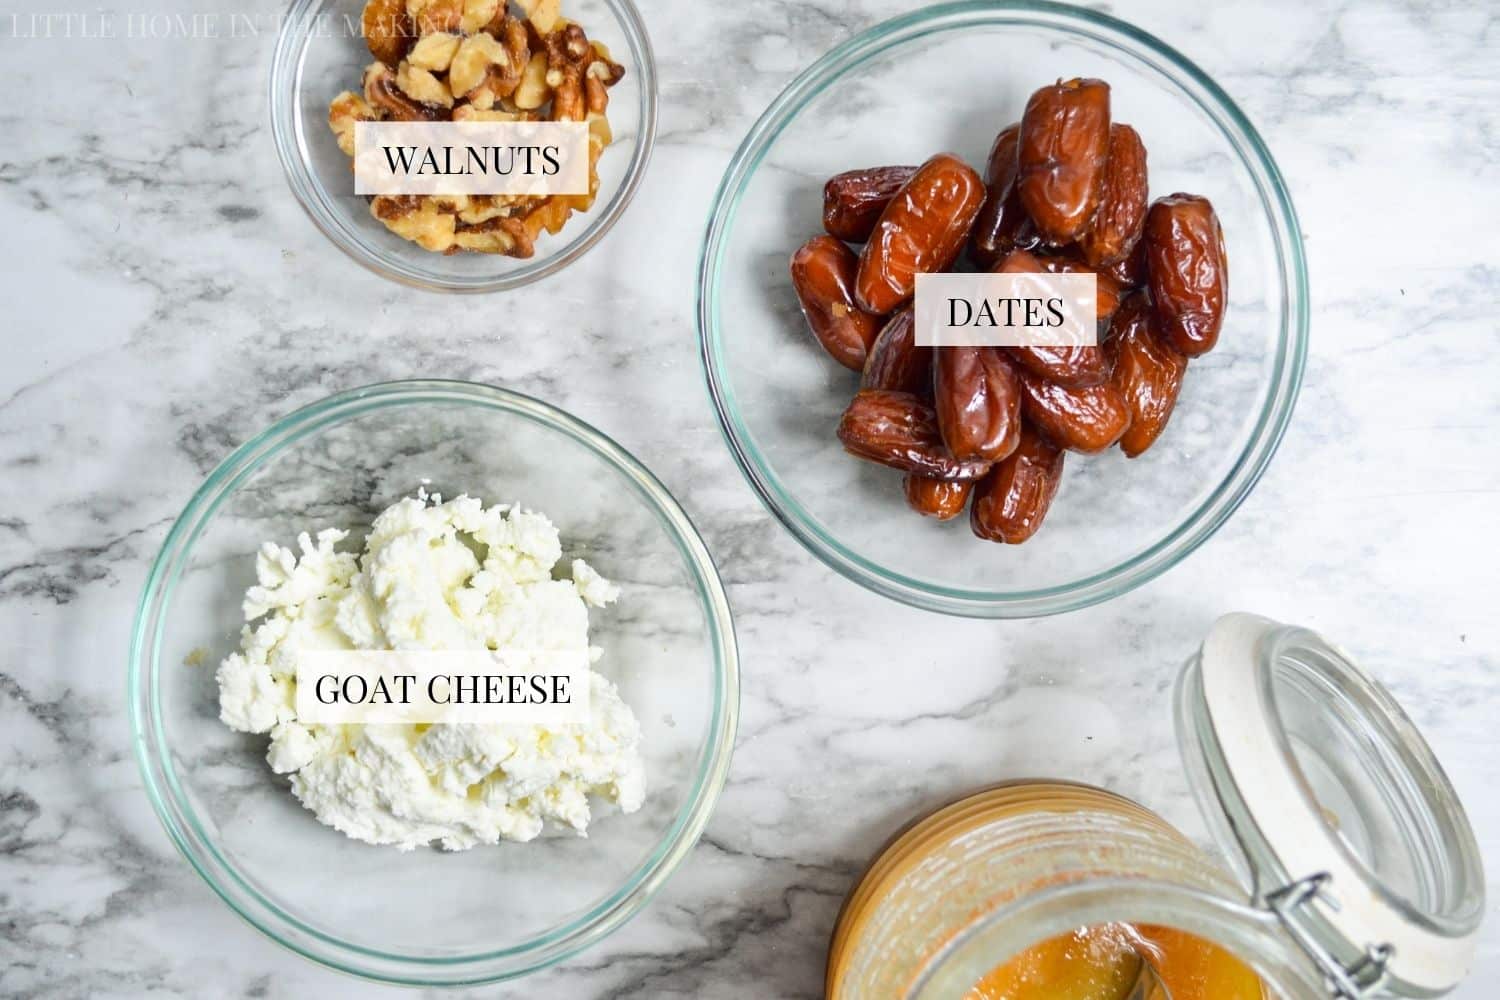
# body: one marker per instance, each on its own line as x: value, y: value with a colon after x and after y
x: 978, y: 399
x: 1107, y: 289
x: 853, y: 200
x: 1064, y: 146
x: 943, y: 499
x: 1075, y: 367
x: 1010, y: 503
x: 1064, y: 191
x: 1002, y: 224
x: 1121, y: 215
x: 1188, y: 271
x: 1148, y: 373
x: 900, y: 430
x: 895, y: 361
x: 923, y: 229
x: 1087, y: 420
x: 1070, y: 367
x: 1130, y: 270
x: 823, y: 272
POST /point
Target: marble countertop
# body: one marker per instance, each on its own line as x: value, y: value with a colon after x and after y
x: 167, y: 298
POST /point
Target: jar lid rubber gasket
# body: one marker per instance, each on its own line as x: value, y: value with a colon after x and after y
x: 1249, y: 779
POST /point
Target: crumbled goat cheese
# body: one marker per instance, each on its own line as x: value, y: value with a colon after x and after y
x: 442, y: 576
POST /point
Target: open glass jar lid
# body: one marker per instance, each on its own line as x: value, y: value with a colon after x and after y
x: 1363, y: 874
x: 1346, y: 827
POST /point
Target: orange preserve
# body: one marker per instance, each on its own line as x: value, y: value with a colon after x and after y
x: 1103, y: 962
x: 1356, y: 870
x: 954, y: 905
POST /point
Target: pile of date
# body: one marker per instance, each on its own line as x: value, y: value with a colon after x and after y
x: 988, y: 427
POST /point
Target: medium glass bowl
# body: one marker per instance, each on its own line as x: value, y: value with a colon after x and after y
x: 950, y: 77
x: 429, y: 917
x: 320, y: 52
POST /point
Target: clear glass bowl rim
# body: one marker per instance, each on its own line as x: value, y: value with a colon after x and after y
x: 1271, y: 423
x: 285, y: 84
x: 196, y: 844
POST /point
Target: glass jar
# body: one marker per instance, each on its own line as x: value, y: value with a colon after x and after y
x: 1361, y: 869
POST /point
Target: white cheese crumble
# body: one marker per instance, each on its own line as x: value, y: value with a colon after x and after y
x: 441, y: 576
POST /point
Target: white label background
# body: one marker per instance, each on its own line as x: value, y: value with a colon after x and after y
x: 1076, y: 295
x: 421, y: 667
x: 375, y: 143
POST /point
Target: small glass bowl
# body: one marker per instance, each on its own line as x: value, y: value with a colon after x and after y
x: 949, y: 77
x: 320, y: 52
x: 429, y: 917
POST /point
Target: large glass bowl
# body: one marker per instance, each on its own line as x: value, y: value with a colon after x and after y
x: 428, y: 917
x: 950, y: 77
x: 320, y: 52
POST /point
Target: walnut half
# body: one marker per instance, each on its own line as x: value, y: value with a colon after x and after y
x: 420, y: 85
x: 383, y: 93
x: 416, y: 218
x: 433, y: 53
x: 473, y: 60
x: 544, y: 15
x: 487, y: 69
x: 388, y: 30
x: 568, y: 56
x: 347, y: 109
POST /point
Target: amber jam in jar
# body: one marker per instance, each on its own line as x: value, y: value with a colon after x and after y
x: 1052, y: 891
x: 1104, y: 962
x: 1356, y: 872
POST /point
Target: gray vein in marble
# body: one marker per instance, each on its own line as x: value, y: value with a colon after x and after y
x: 160, y: 317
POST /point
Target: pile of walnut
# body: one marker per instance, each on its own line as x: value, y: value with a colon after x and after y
x: 1065, y: 191
x: 472, y: 60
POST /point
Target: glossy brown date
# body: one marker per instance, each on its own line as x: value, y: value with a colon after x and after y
x: 1071, y: 367
x: 823, y: 271
x: 977, y: 394
x: 1002, y: 224
x: 922, y: 230
x: 1075, y: 367
x: 1130, y: 271
x: 943, y: 499
x: 1148, y: 373
x: 853, y: 200
x: 1121, y: 215
x: 900, y: 430
x: 1108, y: 290
x: 1010, y: 503
x: 1064, y: 147
x: 1087, y: 420
x: 1188, y: 271
x: 895, y: 360
x: 1064, y: 191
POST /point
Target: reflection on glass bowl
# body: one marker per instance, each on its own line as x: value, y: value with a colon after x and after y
x: 428, y: 917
